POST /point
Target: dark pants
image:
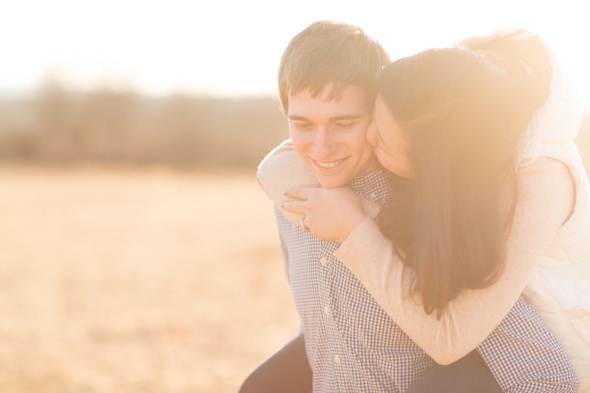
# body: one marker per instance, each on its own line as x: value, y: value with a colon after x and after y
x: 288, y: 371
x: 469, y: 374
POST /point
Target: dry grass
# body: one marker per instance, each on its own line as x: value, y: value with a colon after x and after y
x: 136, y: 281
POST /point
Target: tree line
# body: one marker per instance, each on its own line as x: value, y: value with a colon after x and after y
x: 58, y: 126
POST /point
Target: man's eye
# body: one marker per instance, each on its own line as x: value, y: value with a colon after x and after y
x: 302, y: 126
x: 343, y: 126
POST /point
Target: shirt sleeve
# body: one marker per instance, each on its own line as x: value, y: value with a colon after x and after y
x: 525, y: 357
x: 545, y: 193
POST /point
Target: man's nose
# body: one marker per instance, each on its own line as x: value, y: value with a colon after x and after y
x: 325, y: 143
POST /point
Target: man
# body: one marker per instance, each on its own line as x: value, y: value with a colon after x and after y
x: 326, y: 85
x: 326, y: 53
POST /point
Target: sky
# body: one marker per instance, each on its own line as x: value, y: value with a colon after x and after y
x: 233, y: 47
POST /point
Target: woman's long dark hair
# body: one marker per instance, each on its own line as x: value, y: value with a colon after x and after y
x: 464, y: 109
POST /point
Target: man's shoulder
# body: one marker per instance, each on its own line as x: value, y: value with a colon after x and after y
x: 374, y: 185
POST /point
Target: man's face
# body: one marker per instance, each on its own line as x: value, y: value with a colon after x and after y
x: 330, y: 135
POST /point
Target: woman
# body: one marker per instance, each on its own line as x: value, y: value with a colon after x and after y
x: 484, y: 208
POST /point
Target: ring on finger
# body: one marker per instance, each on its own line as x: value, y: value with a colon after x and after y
x: 302, y: 224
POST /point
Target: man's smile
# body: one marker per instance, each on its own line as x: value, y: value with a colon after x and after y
x: 328, y: 164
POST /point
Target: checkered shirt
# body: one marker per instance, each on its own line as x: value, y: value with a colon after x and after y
x: 354, y: 346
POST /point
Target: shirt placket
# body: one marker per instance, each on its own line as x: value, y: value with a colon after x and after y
x: 336, y: 356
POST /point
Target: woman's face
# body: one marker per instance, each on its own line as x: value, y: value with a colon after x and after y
x: 390, y: 142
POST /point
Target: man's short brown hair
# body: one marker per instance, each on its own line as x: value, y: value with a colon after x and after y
x: 325, y: 53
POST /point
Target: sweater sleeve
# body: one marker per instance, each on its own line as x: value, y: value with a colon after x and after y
x: 281, y: 170
x: 546, y: 193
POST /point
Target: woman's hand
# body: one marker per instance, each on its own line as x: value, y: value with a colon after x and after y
x: 330, y: 214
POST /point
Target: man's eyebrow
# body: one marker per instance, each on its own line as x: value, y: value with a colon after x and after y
x: 297, y: 117
x: 335, y: 118
x: 347, y: 117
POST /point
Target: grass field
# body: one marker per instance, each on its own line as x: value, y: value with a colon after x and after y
x: 120, y: 280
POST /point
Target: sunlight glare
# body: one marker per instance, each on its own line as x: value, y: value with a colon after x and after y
x: 228, y: 48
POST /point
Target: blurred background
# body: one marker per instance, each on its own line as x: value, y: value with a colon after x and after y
x: 137, y: 252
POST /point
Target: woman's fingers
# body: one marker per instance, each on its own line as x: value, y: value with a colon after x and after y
x: 295, y: 206
x: 301, y: 193
x: 298, y: 200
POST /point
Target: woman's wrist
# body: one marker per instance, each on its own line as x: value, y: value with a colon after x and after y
x: 352, y: 223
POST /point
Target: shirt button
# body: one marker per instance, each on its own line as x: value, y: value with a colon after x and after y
x: 337, y: 359
x: 324, y: 261
x: 327, y: 310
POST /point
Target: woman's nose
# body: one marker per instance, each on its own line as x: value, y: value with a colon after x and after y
x: 372, y: 133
